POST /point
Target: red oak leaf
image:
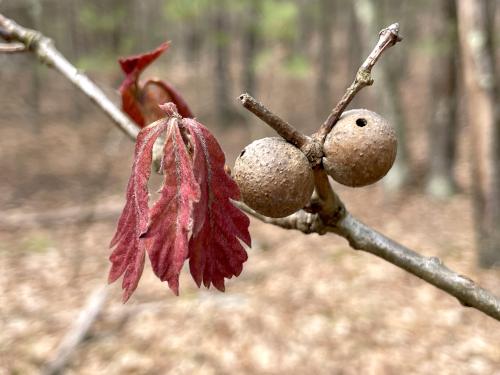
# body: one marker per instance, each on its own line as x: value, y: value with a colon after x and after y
x: 156, y: 92
x: 215, y: 252
x: 171, y: 216
x: 128, y: 255
x: 193, y: 218
x: 141, y: 100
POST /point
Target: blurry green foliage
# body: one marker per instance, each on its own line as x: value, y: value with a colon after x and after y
x: 104, y: 23
x: 181, y: 10
x: 264, y: 59
x: 99, y: 20
x: 221, y: 38
x: 279, y: 20
x: 434, y: 47
x: 297, y: 66
x: 99, y: 61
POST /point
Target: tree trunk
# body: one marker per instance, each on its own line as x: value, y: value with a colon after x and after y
x: 74, y: 53
x: 306, y: 33
x: 222, y: 81
x: 323, y: 89
x: 250, y: 41
x: 142, y: 23
x: 35, y: 12
x: 443, y: 130
x: 356, y: 51
x: 387, y: 81
x: 192, y: 43
x: 479, y: 77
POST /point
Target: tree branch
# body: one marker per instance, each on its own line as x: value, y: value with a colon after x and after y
x: 310, y: 147
x: 332, y: 216
x: 362, y: 237
x: 77, y: 332
x: 301, y: 220
x: 45, y: 51
x: 387, y: 38
x: 430, y: 269
x: 283, y: 128
x: 12, y: 47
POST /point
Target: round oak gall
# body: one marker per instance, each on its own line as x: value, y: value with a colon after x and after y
x: 360, y: 149
x: 274, y: 177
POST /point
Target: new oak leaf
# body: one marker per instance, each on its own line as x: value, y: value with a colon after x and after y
x: 141, y: 100
x: 193, y: 218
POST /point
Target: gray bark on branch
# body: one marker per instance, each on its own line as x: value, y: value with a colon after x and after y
x: 327, y: 212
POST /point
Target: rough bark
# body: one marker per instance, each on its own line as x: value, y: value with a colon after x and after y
x: 483, y: 119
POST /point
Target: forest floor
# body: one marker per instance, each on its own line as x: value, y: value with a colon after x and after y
x: 303, y: 304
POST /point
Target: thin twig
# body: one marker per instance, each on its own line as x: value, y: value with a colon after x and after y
x: 311, y: 148
x: 387, y: 38
x: 360, y: 236
x: 12, y: 47
x: 44, y: 49
x: 283, y: 128
x: 302, y: 221
x: 77, y: 332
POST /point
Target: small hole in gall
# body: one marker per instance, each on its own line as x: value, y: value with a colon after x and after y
x: 361, y: 122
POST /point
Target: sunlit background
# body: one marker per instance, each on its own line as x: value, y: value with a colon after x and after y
x: 304, y: 304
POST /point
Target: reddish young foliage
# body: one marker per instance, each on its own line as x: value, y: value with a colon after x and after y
x: 193, y: 218
x: 141, y: 100
x: 156, y: 92
x: 171, y: 215
x: 128, y: 255
x: 214, y: 249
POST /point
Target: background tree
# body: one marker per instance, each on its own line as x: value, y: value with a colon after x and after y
x: 250, y: 44
x: 370, y: 17
x: 222, y: 75
x: 476, y: 32
x: 444, y: 127
x: 302, y: 291
x: 326, y: 19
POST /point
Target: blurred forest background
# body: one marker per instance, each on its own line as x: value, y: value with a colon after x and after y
x: 303, y: 303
